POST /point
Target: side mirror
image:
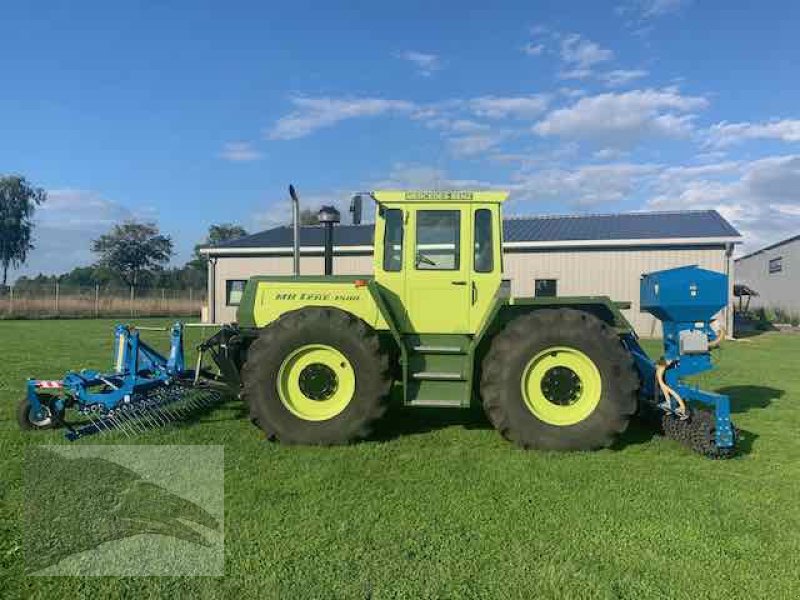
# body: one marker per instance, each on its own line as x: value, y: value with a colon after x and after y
x: 356, y: 207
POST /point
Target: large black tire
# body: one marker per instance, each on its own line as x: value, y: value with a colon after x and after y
x: 335, y: 328
x: 525, y: 337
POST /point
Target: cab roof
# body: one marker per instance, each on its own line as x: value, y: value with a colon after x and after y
x: 430, y: 196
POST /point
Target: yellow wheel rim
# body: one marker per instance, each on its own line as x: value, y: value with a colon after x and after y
x: 316, y: 382
x: 561, y: 386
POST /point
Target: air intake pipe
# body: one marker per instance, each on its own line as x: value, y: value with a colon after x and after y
x: 328, y: 216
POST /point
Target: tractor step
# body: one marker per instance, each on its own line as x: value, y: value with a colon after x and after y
x: 441, y: 403
x: 438, y: 350
x: 438, y: 376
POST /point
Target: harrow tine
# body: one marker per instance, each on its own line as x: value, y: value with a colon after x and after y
x: 158, y: 407
x: 136, y: 423
x: 117, y: 420
x: 96, y: 424
x: 159, y: 414
x: 149, y: 418
x: 125, y: 421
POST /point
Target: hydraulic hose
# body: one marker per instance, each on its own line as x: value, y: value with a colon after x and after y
x: 668, y: 392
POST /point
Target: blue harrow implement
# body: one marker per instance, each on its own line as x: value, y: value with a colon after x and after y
x: 145, y: 389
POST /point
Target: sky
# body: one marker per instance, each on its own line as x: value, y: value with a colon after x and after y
x: 192, y: 113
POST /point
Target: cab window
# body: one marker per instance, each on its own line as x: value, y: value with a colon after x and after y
x: 484, y: 248
x: 438, y: 240
x: 393, y: 240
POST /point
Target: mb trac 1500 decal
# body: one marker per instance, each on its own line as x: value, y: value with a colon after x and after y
x: 318, y: 296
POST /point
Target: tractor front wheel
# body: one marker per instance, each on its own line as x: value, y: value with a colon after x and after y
x: 317, y: 376
x: 559, y: 379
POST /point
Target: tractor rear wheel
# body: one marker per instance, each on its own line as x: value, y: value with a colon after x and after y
x: 317, y: 376
x: 559, y: 379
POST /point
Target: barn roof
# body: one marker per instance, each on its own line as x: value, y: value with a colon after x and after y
x: 789, y: 240
x: 691, y: 227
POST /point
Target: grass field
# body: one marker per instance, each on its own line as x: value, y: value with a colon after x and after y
x: 438, y: 506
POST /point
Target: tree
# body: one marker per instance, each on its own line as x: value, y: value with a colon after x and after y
x: 133, y: 249
x: 18, y: 201
x: 224, y: 232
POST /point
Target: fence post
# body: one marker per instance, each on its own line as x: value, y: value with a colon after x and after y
x: 96, y: 300
x: 11, y: 300
x: 57, y: 296
x: 132, y: 296
x: 190, y: 296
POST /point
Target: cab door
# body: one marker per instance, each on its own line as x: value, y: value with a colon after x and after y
x: 438, y: 290
x: 487, y: 261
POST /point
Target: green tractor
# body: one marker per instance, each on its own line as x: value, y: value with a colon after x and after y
x: 437, y: 323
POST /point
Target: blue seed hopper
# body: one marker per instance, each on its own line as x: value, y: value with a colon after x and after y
x: 686, y: 301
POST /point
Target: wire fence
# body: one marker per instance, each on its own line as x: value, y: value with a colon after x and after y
x: 51, y: 301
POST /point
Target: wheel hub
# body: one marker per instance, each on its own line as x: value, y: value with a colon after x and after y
x: 318, y: 381
x: 43, y: 419
x: 562, y: 386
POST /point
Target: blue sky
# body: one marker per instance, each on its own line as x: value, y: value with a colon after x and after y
x: 192, y: 113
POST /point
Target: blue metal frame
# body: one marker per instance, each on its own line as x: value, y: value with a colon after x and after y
x: 684, y: 299
x: 137, y: 368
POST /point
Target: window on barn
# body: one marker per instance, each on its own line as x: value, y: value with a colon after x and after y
x: 776, y: 264
x: 545, y: 288
x: 234, y: 288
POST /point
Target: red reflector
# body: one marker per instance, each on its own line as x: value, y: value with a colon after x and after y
x: 360, y: 282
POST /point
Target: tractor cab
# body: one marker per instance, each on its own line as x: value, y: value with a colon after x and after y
x: 438, y: 257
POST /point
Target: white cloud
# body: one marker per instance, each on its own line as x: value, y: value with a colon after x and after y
x: 426, y: 64
x: 643, y: 10
x: 616, y: 119
x: 500, y: 107
x: 609, y: 154
x: 416, y: 176
x: 761, y: 198
x: 474, y: 144
x: 571, y: 92
x: 587, y: 185
x: 580, y: 55
x: 620, y: 77
x: 311, y: 114
x: 239, y: 152
x: 726, y: 134
x: 533, y: 49
x: 452, y: 125
x: 65, y: 226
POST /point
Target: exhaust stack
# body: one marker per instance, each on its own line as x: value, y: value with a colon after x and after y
x: 296, y: 230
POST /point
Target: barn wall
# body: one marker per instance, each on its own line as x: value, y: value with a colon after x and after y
x: 780, y: 289
x: 612, y: 273
x: 579, y: 272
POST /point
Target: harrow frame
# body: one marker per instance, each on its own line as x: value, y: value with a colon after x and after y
x: 143, y: 385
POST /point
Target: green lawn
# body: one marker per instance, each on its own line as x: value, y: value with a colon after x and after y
x: 440, y: 507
